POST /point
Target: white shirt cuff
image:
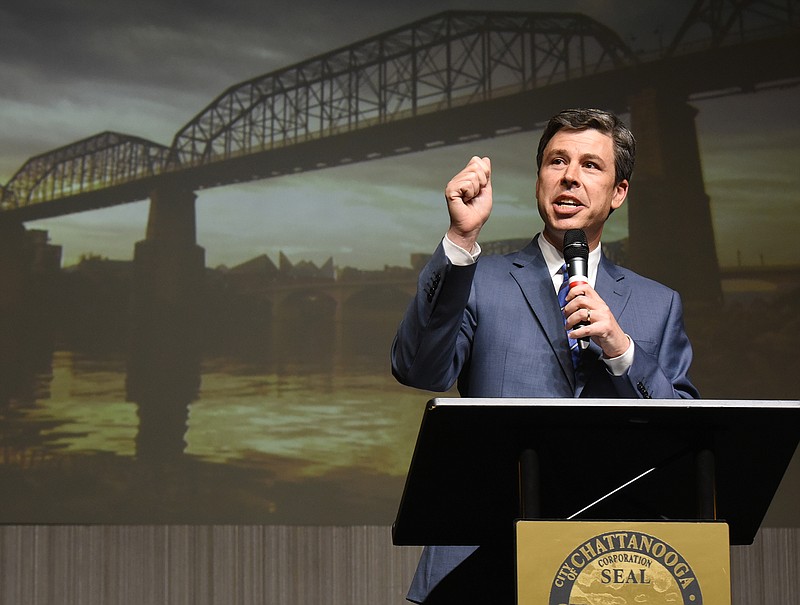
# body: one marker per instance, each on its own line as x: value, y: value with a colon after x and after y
x: 619, y: 365
x: 458, y: 255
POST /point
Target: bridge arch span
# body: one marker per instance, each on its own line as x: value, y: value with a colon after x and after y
x: 448, y: 60
x: 100, y: 161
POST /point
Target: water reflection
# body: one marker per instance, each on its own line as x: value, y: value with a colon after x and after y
x: 315, y: 436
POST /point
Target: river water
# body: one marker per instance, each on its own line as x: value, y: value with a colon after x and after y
x: 318, y: 433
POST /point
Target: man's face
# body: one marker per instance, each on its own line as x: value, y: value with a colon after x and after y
x: 576, y: 187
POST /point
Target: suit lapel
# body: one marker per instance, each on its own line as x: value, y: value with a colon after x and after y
x: 612, y: 288
x: 531, y: 273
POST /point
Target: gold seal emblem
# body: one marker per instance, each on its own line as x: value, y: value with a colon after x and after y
x: 625, y: 568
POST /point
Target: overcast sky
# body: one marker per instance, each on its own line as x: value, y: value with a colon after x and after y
x: 69, y: 70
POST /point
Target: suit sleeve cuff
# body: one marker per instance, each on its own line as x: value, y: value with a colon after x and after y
x: 620, y: 365
x: 458, y: 255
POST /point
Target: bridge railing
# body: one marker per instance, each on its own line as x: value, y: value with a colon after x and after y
x: 435, y: 64
x: 453, y: 58
x: 98, y: 162
x: 717, y: 23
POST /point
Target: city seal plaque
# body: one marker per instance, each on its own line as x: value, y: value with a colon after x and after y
x: 625, y: 567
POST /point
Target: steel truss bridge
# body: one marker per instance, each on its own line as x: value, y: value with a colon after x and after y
x: 453, y: 77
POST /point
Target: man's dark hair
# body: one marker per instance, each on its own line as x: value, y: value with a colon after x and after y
x: 602, y: 121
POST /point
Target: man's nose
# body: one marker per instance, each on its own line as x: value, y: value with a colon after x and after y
x: 569, y: 178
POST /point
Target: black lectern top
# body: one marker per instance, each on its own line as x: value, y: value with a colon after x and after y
x: 463, y: 483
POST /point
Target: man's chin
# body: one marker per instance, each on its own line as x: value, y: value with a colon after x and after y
x: 559, y: 228
x: 555, y: 233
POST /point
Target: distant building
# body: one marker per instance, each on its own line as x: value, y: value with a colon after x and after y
x: 260, y: 264
x: 305, y: 270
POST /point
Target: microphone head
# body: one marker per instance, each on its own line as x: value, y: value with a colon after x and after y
x: 575, y: 245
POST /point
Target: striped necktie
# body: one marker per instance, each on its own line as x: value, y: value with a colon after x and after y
x: 562, y: 300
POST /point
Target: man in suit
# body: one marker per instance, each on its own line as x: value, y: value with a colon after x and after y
x: 496, y: 327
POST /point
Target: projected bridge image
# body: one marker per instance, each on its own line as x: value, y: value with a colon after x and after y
x: 278, y: 367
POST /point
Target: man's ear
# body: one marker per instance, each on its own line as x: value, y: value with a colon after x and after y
x: 620, y: 193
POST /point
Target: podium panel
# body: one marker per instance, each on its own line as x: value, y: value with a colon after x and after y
x: 585, y: 562
x: 594, y: 459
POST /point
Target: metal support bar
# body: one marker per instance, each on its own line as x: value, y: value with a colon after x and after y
x: 706, y: 485
x: 529, y: 485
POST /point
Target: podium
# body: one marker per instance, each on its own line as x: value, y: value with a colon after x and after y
x: 481, y: 465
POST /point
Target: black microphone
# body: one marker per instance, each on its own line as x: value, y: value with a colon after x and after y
x: 576, y: 255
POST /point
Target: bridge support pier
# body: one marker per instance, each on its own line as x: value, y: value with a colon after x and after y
x: 29, y: 270
x: 163, y: 375
x: 15, y: 278
x: 15, y: 266
x: 671, y: 232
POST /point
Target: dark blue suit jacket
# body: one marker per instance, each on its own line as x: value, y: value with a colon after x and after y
x: 497, y: 329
